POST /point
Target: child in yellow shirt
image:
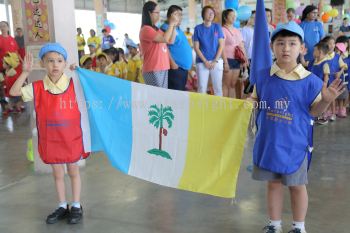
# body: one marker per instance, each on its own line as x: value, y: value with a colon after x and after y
x: 134, y: 65
x: 86, y: 62
x: 121, y: 65
x: 105, y: 65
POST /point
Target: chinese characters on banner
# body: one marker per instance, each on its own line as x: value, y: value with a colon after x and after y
x: 279, y: 11
x: 36, y: 15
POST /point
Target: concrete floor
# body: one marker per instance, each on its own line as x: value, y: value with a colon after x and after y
x: 116, y: 203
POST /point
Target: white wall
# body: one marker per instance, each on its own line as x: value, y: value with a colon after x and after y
x: 3, y: 17
x: 87, y: 20
x: 125, y: 23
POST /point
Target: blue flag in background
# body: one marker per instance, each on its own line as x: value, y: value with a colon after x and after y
x: 261, y: 55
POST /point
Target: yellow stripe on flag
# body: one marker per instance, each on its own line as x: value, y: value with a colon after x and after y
x: 216, y: 138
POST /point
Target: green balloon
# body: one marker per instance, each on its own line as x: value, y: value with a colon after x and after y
x: 290, y: 4
x: 327, y: 8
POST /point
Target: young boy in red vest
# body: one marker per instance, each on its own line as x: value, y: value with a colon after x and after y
x: 60, y: 140
x: 282, y: 151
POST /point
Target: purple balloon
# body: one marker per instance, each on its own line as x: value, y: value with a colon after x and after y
x: 299, y: 10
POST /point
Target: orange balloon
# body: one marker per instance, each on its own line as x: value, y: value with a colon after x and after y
x: 325, y: 17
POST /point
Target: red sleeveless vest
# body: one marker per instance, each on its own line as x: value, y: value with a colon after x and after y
x: 58, y: 121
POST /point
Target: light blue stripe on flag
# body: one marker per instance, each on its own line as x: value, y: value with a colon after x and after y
x: 110, y: 118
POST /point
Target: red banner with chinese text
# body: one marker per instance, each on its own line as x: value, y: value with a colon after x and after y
x: 36, y: 19
x: 279, y: 11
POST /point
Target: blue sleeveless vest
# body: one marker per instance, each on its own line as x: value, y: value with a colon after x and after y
x: 334, y: 67
x: 284, y: 135
x: 347, y: 75
x: 317, y: 69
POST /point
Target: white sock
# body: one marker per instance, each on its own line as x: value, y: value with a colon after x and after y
x: 63, y: 205
x: 275, y: 223
x: 76, y: 204
x: 300, y: 225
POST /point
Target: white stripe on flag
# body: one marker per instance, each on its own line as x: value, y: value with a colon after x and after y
x: 85, y: 126
x: 148, y: 166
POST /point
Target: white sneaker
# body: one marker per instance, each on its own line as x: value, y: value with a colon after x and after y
x: 272, y: 229
x: 333, y: 117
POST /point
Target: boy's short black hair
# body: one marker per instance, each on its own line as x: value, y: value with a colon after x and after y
x: 286, y: 33
x: 111, y: 50
x: 342, y: 39
x: 290, y: 10
x: 328, y: 38
x: 104, y: 30
x: 323, y: 47
x: 114, y: 52
x: 268, y: 10
x: 102, y: 55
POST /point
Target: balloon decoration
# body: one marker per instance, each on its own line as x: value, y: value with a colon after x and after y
x: 231, y: 4
x: 333, y: 13
x: 244, y: 13
x: 237, y: 24
x: 326, y: 17
x: 291, y: 4
x: 299, y: 10
x: 298, y: 21
x: 108, y: 25
x: 328, y: 12
x: 327, y: 8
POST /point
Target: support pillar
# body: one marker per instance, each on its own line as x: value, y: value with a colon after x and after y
x: 279, y: 11
x: 192, y: 6
x: 101, y: 15
x: 17, y: 17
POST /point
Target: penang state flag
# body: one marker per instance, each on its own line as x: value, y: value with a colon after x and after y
x: 177, y: 139
x: 261, y: 54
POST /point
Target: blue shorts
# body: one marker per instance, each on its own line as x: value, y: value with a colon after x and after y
x: 233, y: 64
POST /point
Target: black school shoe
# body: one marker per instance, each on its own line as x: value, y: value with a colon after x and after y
x: 58, y: 214
x: 75, y: 215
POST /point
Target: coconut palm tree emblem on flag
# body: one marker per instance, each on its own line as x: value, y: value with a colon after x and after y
x: 156, y: 117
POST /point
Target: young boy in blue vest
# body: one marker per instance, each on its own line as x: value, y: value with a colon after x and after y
x: 58, y: 123
x: 320, y: 67
x: 293, y: 97
x: 337, y: 68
